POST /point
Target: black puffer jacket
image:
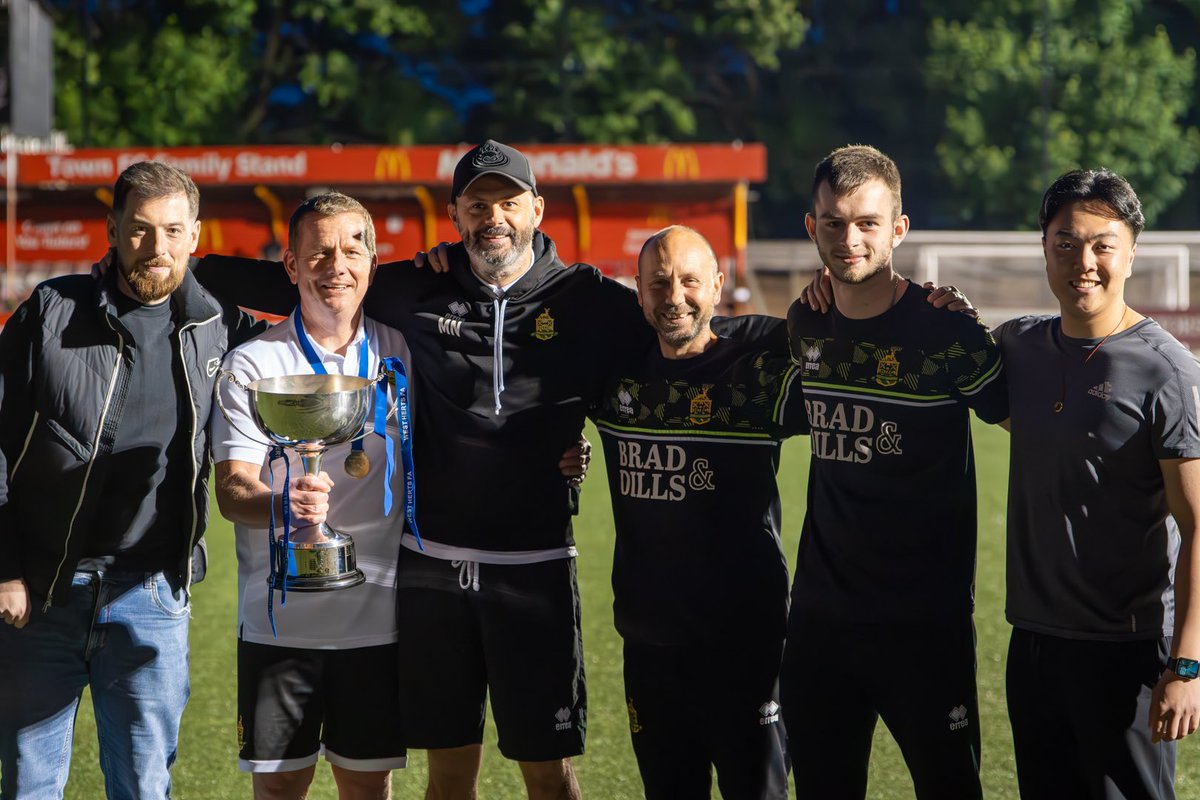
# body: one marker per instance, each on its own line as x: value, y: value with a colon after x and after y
x: 64, y: 365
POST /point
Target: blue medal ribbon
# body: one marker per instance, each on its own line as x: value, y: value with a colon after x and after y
x: 278, y: 549
x: 275, y: 550
x: 318, y: 368
x: 399, y: 377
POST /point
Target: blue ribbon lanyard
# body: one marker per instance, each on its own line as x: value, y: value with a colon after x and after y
x: 314, y: 360
x: 275, y: 550
x: 278, y: 550
x: 395, y: 368
x: 399, y: 377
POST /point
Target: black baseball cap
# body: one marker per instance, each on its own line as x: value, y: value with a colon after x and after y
x: 492, y: 158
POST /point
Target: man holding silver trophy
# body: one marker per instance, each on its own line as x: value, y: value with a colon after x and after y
x: 317, y: 673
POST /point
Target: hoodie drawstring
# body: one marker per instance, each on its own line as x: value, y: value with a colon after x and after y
x: 498, y: 306
x: 468, y: 574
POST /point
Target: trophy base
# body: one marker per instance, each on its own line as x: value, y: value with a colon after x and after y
x: 319, y: 559
x: 295, y: 583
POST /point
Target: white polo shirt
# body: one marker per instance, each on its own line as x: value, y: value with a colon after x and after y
x: 360, y: 616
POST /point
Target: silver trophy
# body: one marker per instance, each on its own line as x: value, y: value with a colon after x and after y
x: 309, y: 414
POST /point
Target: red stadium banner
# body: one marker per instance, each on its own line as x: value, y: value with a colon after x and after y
x: 363, y: 164
x: 602, y: 201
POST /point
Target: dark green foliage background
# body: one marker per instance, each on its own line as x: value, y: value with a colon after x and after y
x: 981, y: 103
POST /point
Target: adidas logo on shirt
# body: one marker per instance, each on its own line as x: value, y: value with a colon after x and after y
x: 1101, y: 390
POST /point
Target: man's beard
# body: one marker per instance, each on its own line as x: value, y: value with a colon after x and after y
x: 854, y: 276
x: 675, y: 336
x: 149, y: 288
x: 495, y: 260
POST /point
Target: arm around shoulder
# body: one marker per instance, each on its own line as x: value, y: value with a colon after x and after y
x: 248, y: 282
x: 395, y: 285
x: 977, y: 369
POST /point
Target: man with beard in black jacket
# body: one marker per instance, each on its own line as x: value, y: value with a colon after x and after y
x: 106, y: 382
x: 509, y: 347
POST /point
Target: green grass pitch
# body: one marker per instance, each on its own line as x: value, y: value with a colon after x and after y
x: 207, y: 764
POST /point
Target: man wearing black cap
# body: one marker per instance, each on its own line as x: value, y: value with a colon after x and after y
x: 510, y: 347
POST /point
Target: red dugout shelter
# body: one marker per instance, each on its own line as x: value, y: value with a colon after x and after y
x: 602, y: 201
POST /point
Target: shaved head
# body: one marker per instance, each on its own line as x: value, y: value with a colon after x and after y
x: 679, y: 285
x: 671, y: 238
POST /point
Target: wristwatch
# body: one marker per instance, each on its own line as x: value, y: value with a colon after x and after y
x: 1184, y: 667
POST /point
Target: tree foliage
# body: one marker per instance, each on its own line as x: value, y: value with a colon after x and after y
x: 981, y: 102
x: 209, y: 71
x: 1032, y: 88
x: 233, y: 71
x: 625, y: 72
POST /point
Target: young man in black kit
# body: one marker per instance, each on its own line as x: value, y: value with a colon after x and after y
x: 880, y: 624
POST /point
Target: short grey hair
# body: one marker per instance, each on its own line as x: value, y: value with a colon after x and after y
x: 331, y: 204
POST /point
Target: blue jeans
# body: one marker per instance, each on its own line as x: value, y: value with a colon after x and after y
x: 125, y: 634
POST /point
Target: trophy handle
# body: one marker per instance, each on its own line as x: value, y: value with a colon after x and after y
x: 229, y: 376
x: 393, y: 405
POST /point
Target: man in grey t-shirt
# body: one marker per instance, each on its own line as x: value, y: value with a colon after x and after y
x: 1103, y: 492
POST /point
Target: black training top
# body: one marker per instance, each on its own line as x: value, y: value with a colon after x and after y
x: 692, y: 448
x: 889, y: 533
x: 503, y: 383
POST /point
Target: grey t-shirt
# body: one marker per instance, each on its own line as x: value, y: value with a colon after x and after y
x: 1091, y: 545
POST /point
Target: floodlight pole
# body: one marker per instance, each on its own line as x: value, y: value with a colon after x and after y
x: 12, y: 146
x: 10, y: 216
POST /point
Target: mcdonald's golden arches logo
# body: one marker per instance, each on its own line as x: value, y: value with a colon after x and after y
x: 211, y: 237
x: 392, y: 164
x: 681, y: 163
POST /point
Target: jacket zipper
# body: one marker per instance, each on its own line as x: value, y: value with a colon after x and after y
x: 189, y: 545
x: 25, y: 447
x: 91, y: 461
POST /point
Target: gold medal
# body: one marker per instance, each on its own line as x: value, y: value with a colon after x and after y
x: 357, y: 464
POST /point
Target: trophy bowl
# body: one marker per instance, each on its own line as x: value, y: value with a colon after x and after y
x: 309, y: 414
x: 298, y: 410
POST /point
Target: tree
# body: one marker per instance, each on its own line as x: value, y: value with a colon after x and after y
x: 1033, y: 88
x: 612, y: 71
x: 233, y: 71
x: 210, y: 71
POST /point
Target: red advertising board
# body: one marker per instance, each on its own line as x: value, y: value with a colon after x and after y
x: 602, y: 201
x: 431, y: 164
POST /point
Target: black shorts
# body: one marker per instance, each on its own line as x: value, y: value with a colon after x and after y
x: 837, y: 681
x: 1080, y: 713
x: 293, y: 703
x: 512, y: 632
x: 695, y: 708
